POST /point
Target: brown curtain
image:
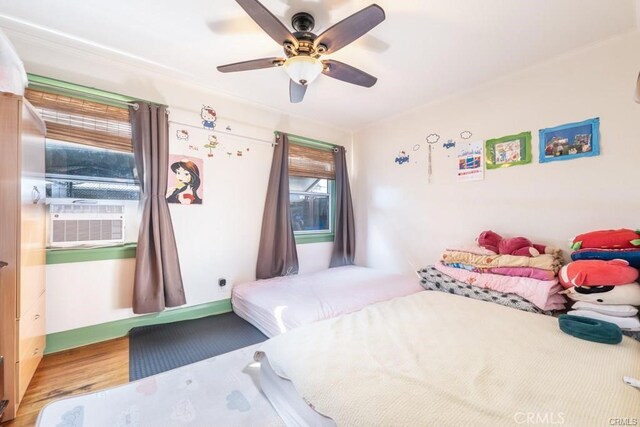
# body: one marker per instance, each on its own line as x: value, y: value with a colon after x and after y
x: 344, y: 244
x: 158, y: 282
x: 277, y: 255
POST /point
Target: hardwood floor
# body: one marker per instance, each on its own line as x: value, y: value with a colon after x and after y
x: 81, y: 370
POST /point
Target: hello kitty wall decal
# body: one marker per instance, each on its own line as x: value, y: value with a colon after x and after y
x: 182, y: 135
x: 209, y: 117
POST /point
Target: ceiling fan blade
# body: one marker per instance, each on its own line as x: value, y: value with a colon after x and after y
x: 347, y: 73
x: 351, y: 28
x: 254, y: 64
x: 268, y: 22
x: 296, y: 92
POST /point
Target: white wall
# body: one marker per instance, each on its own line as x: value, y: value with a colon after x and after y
x: 404, y: 223
x: 219, y: 238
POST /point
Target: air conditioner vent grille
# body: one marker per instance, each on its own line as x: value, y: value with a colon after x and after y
x: 76, y: 225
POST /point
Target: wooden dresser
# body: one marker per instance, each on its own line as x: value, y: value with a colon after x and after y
x: 22, y: 246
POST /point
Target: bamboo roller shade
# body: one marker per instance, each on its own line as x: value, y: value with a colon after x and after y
x: 83, y: 122
x: 311, y: 162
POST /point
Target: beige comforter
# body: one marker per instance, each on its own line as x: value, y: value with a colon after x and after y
x: 551, y: 262
x: 438, y: 359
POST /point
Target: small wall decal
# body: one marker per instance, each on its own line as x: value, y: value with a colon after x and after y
x: 449, y: 144
x: 433, y: 138
x: 402, y: 157
x: 209, y: 117
x: 239, y: 153
x: 229, y: 153
x: 182, y: 135
x: 186, y: 180
x: 416, y: 147
x: 213, y: 143
x: 465, y: 134
x: 228, y: 128
x: 194, y: 147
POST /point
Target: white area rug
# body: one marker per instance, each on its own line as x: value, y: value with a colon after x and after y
x: 220, y: 391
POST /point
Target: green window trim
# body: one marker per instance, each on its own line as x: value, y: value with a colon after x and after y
x: 320, y: 237
x: 308, y: 142
x: 302, y: 239
x: 61, y: 87
x: 64, y: 256
x: 323, y: 236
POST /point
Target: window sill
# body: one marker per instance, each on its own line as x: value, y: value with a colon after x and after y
x: 63, y: 256
x: 302, y: 239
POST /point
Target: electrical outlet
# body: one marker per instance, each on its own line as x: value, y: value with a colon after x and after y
x: 222, y: 282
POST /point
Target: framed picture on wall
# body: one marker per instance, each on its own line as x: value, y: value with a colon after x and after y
x: 570, y: 141
x: 508, y: 151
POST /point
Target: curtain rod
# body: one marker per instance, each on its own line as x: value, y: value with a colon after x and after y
x: 253, y: 138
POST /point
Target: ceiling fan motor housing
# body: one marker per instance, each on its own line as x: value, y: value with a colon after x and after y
x: 303, y: 22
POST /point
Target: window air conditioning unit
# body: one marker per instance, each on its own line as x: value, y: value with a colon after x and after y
x: 85, y: 225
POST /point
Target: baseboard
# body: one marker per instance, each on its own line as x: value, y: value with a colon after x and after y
x: 106, y: 331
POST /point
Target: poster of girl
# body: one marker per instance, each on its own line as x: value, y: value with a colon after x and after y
x: 186, y: 181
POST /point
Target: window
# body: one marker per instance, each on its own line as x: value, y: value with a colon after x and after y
x: 76, y: 171
x: 311, y: 192
x: 88, y: 154
x: 311, y: 205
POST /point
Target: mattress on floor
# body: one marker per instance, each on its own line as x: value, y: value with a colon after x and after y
x: 283, y: 303
x: 220, y: 391
x: 433, y: 358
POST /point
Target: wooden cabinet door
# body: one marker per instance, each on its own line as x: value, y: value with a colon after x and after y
x: 32, y: 211
x: 9, y: 226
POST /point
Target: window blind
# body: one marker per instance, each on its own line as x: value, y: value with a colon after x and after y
x: 83, y: 122
x: 310, y: 162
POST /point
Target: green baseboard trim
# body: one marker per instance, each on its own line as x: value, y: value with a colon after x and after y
x: 66, y: 340
x: 63, y: 256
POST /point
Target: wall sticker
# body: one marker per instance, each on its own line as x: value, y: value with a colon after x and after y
x: 211, y: 145
x: 182, y: 135
x: 209, y: 117
x: 402, y: 158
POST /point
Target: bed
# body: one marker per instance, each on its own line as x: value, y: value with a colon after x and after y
x: 439, y: 359
x: 283, y: 303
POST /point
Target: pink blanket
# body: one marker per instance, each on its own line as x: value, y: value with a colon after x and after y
x: 542, y: 293
x: 534, y: 273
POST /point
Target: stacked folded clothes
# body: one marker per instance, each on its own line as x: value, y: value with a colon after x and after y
x: 603, y: 278
x: 514, y: 268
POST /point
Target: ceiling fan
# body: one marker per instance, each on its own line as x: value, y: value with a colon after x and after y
x: 304, y: 48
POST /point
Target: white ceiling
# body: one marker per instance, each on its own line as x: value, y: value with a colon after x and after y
x: 424, y: 50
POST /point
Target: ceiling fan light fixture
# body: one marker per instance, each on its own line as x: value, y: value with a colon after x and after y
x: 303, y: 69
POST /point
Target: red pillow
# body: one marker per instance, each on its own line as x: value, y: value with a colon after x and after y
x: 595, y: 272
x: 623, y: 238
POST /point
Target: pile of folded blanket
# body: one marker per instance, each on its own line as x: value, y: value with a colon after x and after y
x: 602, y: 279
x: 512, y: 272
